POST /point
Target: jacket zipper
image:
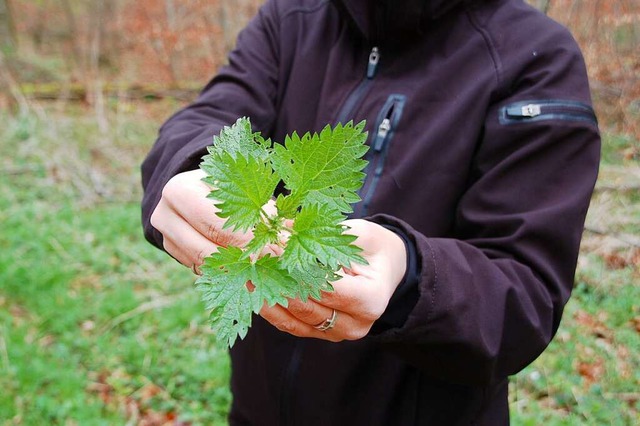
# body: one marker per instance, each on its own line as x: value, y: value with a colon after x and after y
x: 386, y: 124
x: 362, y: 88
x: 549, y: 109
x: 345, y: 112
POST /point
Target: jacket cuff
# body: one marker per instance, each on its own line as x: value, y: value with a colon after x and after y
x: 185, y: 159
x: 407, y: 293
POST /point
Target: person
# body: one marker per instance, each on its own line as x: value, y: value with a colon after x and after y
x: 484, y: 154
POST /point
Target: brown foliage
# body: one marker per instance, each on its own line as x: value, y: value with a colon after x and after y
x: 138, y: 41
x: 622, y: 259
x: 593, y: 325
x: 609, y: 34
x: 591, y: 372
x: 174, y: 42
x: 134, y: 403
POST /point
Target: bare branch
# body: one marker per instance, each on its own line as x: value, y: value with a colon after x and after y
x: 625, y: 238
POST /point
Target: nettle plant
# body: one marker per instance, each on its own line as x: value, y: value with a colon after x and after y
x: 296, y: 248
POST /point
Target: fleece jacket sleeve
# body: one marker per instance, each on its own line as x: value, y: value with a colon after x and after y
x: 246, y: 87
x: 490, y: 296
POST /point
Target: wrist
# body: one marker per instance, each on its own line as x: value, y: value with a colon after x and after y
x: 398, y: 254
x: 406, y: 292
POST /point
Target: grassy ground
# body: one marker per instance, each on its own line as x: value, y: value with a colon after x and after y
x: 96, y: 326
x: 590, y: 374
x: 99, y: 328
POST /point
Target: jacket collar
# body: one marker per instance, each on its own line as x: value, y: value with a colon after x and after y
x: 378, y: 20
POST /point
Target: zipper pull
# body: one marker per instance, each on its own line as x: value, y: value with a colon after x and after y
x: 374, y: 58
x: 383, y: 131
x: 530, y: 110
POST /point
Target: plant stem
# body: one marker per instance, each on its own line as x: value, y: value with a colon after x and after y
x: 289, y: 230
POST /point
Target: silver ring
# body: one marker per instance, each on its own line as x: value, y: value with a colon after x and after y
x: 329, y: 323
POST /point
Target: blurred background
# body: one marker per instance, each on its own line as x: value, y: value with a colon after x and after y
x: 99, y: 328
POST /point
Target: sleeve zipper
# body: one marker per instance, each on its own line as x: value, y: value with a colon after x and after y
x: 551, y: 109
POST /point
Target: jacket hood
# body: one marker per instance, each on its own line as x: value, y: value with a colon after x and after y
x: 378, y: 20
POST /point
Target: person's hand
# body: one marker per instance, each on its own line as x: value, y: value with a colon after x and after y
x: 186, y: 218
x: 359, y: 298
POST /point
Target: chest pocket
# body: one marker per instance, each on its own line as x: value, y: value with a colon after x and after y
x: 384, y: 130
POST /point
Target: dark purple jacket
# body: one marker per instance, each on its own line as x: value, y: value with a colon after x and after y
x: 484, y: 155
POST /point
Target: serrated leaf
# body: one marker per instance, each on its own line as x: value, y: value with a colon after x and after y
x: 288, y: 205
x: 273, y: 283
x: 312, y: 279
x: 324, y: 168
x: 242, y: 186
x: 224, y: 291
x: 240, y: 139
x: 319, y: 170
x: 263, y: 235
x: 236, y: 140
x: 319, y: 237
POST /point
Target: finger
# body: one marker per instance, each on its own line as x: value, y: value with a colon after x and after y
x: 361, y: 229
x: 356, y: 297
x: 345, y: 327
x: 309, y: 312
x: 372, y: 238
x: 177, y: 253
x: 284, y: 321
x: 187, y: 196
x: 346, y: 293
x: 184, y: 243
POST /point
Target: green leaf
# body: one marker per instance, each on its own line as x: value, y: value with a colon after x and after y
x: 242, y: 186
x: 237, y: 140
x: 318, y: 236
x: 312, y: 279
x: 224, y: 291
x: 324, y: 168
x: 263, y: 235
x: 323, y: 173
x: 273, y: 282
x: 224, y: 279
x: 288, y: 205
x: 240, y: 139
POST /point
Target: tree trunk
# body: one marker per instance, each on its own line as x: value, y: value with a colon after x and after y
x: 8, y: 39
x: 77, y: 62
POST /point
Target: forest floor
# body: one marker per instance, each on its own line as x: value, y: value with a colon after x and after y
x: 97, y: 327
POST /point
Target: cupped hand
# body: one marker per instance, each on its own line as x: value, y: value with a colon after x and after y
x: 359, y: 298
x: 187, y: 219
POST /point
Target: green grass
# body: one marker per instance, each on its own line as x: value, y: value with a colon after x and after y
x: 617, y: 148
x: 99, y: 328
x: 96, y: 326
x: 590, y: 374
